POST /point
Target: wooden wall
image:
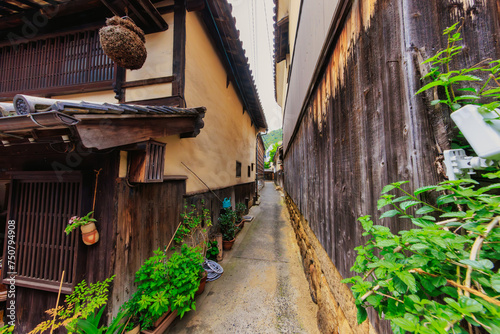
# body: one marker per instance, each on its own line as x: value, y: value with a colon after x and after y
x: 96, y: 261
x: 147, y: 216
x: 239, y: 193
x: 363, y: 127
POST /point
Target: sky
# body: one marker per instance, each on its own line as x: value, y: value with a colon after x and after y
x: 254, y: 19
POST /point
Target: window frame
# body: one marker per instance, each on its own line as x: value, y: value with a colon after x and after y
x: 42, y: 283
x: 238, y: 168
x: 51, y: 69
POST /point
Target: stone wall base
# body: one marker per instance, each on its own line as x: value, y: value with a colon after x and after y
x: 336, y: 309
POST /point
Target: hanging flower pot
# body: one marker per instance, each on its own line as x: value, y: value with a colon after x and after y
x: 123, y: 42
x: 89, y: 234
x: 89, y: 231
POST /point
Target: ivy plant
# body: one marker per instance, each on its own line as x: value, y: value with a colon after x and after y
x: 442, y: 277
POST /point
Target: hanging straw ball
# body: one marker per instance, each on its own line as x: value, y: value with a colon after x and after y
x: 123, y: 42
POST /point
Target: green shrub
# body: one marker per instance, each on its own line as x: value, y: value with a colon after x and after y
x: 443, y: 274
x: 226, y: 223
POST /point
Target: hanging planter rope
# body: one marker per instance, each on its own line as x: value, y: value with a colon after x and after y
x: 123, y: 42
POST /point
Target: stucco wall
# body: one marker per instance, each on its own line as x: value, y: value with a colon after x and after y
x: 228, y: 135
x: 104, y: 96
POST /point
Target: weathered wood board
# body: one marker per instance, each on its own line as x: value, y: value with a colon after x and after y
x: 363, y: 127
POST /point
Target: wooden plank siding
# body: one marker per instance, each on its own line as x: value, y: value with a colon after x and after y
x: 94, y: 263
x: 362, y: 127
x: 146, y: 219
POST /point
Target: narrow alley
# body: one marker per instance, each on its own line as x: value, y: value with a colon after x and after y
x: 263, y: 288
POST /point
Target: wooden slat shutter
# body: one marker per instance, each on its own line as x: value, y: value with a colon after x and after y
x: 71, y: 60
x: 41, y: 206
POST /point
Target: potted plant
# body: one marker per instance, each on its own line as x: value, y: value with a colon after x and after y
x: 90, y: 235
x: 212, y: 250
x: 91, y: 324
x: 240, y: 210
x: 165, y: 288
x: 80, y: 304
x: 184, y: 271
x: 150, y: 301
x: 227, y: 227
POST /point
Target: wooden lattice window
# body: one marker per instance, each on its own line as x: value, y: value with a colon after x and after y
x: 147, y: 161
x: 72, y: 60
x: 41, y: 206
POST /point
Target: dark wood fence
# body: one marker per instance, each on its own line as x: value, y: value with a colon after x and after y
x: 363, y: 127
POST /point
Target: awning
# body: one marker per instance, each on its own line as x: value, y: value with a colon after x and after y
x: 97, y: 125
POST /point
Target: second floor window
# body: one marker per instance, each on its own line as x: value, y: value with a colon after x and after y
x: 74, y: 59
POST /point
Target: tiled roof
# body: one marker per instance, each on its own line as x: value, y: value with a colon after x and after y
x: 24, y: 105
x: 35, y: 117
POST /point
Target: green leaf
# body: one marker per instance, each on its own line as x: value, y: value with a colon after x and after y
x: 470, y: 305
x: 387, y: 188
x: 423, y: 210
x: 464, y: 78
x: 468, y: 89
x: 495, y: 282
x: 366, y: 222
x: 362, y: 314
x: 386, y: 243
x: 405, y: 324
x: 466, y: 97
x: 430, y: 85
x: 408, y: 279
x: 407, y: 204
x: 455, y: 214
x: 418, y: 247
x: 491, y: 91
x: 388, y: 214
x: 480, y: 265
x: 374, y: 300
x: 424, y: 189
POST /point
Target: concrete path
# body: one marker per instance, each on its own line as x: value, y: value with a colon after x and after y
x: 263, y: 288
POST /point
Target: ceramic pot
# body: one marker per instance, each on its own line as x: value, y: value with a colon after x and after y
x: 227, y: 245
x: 136, y: 330
x: 203, y: 281
x: 89, y: 234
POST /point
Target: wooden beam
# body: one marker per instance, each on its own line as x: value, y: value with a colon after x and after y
x: 126, y: 131
x: 48, y: 92
x: 195, y: 5
x: 154, y: 15
x: 179, y: 63
x: 142, y: 11
x: 147, y: 82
